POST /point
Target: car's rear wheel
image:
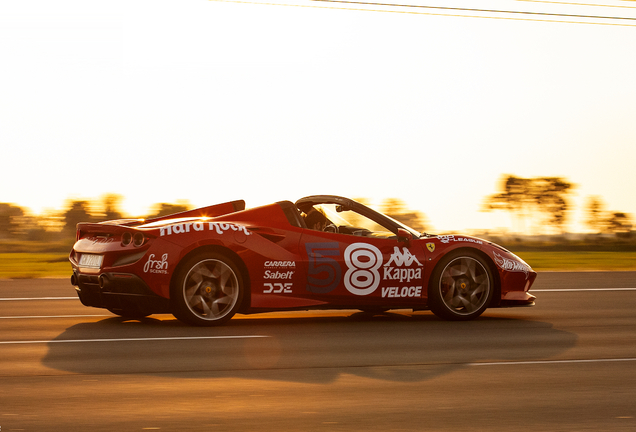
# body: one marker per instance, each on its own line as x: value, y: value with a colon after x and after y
x: 208, y: 290
x: 461, y: 287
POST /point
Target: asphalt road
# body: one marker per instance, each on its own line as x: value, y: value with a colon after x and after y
x: 568, y: 364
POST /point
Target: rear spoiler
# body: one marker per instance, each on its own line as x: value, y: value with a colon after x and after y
x: 210, y: 211
x: 109, y: 228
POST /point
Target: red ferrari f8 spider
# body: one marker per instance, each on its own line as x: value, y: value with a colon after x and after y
x: 322, y: 252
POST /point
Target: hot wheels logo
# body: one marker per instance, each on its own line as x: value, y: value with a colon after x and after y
x: 511, y: 265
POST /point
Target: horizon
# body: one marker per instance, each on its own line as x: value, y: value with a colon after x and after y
x: 95, y: 205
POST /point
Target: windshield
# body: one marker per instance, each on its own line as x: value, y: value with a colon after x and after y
x: 351, y: 222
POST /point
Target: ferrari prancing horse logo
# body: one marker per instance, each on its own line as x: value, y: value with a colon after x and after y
x: 430, y: 247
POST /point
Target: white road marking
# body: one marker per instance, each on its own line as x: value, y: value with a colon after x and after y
x: 38, y: 298
x: 581, y: 289
x: 533, y: 362
x: 133, y: 339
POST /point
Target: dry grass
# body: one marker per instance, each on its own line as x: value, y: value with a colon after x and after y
x: 39, y: 265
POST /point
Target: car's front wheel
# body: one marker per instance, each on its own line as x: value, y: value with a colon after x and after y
x: 208, y: 290
x: 461, y: 287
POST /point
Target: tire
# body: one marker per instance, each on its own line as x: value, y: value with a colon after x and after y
x: 461, y: 287
x: 208, y: 290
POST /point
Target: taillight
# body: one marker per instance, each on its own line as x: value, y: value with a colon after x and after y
x: 138, y: 239
x: 126, y: 238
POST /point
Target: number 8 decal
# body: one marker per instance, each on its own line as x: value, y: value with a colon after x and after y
x: 363, y: 261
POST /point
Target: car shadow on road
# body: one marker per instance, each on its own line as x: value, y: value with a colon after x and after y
x: 400, y: 347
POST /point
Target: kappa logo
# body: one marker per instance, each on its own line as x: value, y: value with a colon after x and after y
x: 404, y: 258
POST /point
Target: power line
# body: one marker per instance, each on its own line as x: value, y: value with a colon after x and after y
x: 475, y: 10
x: 424, y: 13
x: 578, y: 4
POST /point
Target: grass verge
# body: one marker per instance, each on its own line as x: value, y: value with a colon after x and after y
x: 38, y: 265
x: 34, y: 265
x: 580, y: 261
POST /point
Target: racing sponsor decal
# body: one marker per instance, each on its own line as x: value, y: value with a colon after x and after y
x: 430, y: 247
x: 451, y: 238
x: 99, y: 239
x: 402, y: 275
x: 323, y: 271
x: 280, y: 264
x: 510, y: 264
x: 363, y: 261
x: 219, y: 228
x: 279, y: 270
x: 404, y: 258
x: 280, y: 275
x: 365, y: 270
x: 401, y: 259
x: 397, y: 292
x: 156, y: 266
x: 277, y: 288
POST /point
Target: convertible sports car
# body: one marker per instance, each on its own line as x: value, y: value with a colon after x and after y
x: 323, y: 252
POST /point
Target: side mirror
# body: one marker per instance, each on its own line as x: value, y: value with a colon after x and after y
x: 404, y: 236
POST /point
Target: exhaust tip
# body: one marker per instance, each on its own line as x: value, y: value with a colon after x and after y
x: 103, y: 281
x: 74, y: 281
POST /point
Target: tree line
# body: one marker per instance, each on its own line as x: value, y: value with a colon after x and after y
x: 542, y: 205
x: 17, y: 224
x: 539, y: 205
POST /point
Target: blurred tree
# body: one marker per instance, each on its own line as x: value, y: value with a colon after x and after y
x: 111, y: 204
x: 397, y: 209
x: 600, y: 220
x: 11, y: 218
x: 619, y: 223
x: 165, y: 209
x: 595, y: 218
x: 77, y: 211
x: 514, y: 198
x: 550, y: 195
x: 527, y: 197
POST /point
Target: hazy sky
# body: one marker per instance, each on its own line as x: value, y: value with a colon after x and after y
x: 213, y: 101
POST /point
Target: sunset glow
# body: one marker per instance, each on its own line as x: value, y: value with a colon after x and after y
x: 211, y: 101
